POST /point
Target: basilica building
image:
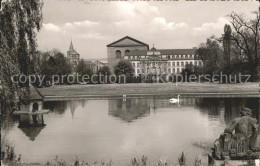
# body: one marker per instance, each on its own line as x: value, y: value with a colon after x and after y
x: 150, y: 61
x: 73, y: 57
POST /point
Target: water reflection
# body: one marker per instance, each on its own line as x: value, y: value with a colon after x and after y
x: 129, y: 109
x: 228, y: 107
x: 120, y: 129
x: 31, y: 132
x: 59, y: 107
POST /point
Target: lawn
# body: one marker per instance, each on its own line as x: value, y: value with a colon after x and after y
x: 149, y: 89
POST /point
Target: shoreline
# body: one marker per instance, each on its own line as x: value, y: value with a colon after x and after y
x: 135, y: 90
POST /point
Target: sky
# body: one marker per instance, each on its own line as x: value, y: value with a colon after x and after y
x: 92, y: 25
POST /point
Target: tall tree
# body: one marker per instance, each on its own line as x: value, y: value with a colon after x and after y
x: 83, y: 69
x: 246, y: 35
x: 19, y: 21
x: 124, y: 67
x: 105, y: 70
x: 53, y: 63
x: 211, y: 54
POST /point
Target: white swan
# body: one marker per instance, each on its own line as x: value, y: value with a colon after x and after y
x: 174, y: 100
x: 124, y: 98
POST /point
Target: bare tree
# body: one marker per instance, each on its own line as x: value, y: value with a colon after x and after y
x: 246, y: 36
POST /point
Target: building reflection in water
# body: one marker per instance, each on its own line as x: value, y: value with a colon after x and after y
x: 129, y: 109
x: 216, y: 108
x: 31, y: 125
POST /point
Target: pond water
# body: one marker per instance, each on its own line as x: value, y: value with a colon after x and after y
x: 119, y: 129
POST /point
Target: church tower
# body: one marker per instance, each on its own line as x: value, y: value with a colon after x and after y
x: 73, y: 56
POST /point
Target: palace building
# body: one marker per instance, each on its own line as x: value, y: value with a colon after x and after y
x: 150, y: 61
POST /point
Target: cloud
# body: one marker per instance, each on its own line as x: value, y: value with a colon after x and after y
x: 161, y: 21
x: 81, y: 24
x: 92, y: 26
x: 212, y: 26
x: 140, y: 20
x: 51, y: 27
x: 81, y: 29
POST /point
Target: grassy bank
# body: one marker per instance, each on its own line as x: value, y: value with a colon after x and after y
x: 149, y: 89
x: 136, y: 161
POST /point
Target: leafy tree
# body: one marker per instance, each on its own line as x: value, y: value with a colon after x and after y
x: 54, y: 63
x: 231, y: 59
x: 211, y: 53
x: 83, y: 69
x: 124, y: 67
x: 187, y: 72
x: 61, y: 64
x: 19, y: 21
x: 105, y: 70
x: 103, y: 73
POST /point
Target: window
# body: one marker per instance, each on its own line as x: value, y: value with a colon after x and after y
x: 173, y: 64
x: 178, y: 70
x: 178, y: 63
x: 118, y: 54
x: 133, y: 64
x: 127, y: 52
x: 169, y: 70
x: 182, y: 63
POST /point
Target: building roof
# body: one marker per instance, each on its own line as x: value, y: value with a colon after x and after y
x: 34, y: 94
x: 137, y: 42
x: 165, y: 52
x: 94, y: 62
x: 71, y: 49
x: 153, y: 48
x: 71, y: 46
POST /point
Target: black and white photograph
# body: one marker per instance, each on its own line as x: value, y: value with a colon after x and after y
x: 130, y: 82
